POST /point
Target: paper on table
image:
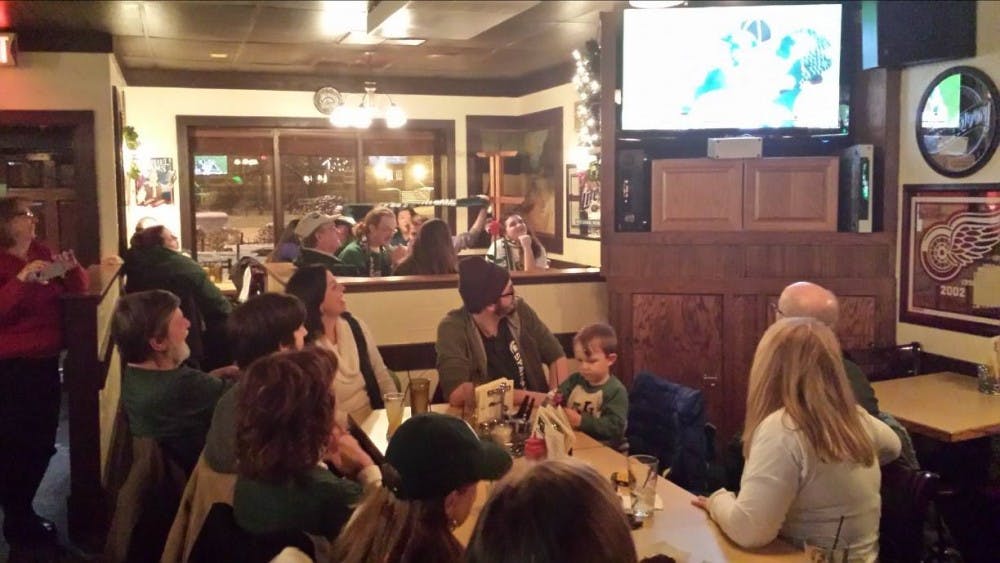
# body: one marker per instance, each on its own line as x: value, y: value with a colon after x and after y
x: 663, y: 548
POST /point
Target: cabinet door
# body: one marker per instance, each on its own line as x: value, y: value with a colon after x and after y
x: 791, y: 194
x: 697, y: 194
x: 679, y: 337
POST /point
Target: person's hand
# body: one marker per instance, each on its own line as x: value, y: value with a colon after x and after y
x: 397, y: 254
x: 525, y: 240
x: 701, y: 502
x: 226, y: 372
x: 68, y: 259
x: 574, y: 417
x: 344, y: 452
x: 30, y: 272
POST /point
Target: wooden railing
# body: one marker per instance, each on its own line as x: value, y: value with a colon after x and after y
x: 91, y: 363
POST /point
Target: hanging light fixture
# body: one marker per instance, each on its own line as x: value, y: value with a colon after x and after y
x: 331, y: 102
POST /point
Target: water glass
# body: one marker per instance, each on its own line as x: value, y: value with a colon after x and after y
x: 819, y: 554
x: 989, y: 379
x: 642, y: 483
x: 393, y: 411
x: 419, y: 394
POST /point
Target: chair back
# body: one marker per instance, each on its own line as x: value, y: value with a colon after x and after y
x: 888, y: 362
x: 906, y: 498
x: 222, y: 539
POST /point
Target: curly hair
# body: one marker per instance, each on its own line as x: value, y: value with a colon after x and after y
x: 372, y: 220
x: 285, y: 414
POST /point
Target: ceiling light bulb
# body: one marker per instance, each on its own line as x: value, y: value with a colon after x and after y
x: 341, y: 116
x: 395, y: 117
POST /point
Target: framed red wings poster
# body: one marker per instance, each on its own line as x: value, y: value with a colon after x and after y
x: 950, y: 263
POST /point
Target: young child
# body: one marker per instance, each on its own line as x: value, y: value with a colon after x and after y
x: 595, y: 401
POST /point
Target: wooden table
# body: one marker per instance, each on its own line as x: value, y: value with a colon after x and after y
x: 679, y: 530
x: 945, y: 406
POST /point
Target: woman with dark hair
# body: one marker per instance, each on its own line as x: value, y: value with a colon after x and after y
x: 285, y: 429
x: 424, y: 494
x: 431, y: 252
x: 154, y: 262
x: 371, y: 251
x: 362, y: 376
x: 518, y: 249
x: 32, y: 279
x: 265, y: 324
x: 551, y: 512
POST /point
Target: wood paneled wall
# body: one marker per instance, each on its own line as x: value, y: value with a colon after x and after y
x: 692, y: 306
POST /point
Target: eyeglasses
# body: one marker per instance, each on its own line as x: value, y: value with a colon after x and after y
x: 27, y: 213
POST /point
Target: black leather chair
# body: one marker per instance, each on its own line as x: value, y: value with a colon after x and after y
x: 888, y: 362
x: 906, y: 498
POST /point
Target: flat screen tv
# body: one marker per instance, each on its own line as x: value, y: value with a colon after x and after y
x: 726, y: 68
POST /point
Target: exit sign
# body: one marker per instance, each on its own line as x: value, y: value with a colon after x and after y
x: 7, y: 49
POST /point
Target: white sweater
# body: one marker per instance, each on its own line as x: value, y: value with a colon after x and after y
x: 349, y: 383
x: 787, y: 491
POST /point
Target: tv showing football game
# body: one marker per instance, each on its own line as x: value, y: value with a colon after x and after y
x: 732, y: 68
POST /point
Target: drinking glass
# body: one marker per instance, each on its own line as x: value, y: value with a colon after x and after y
x: 393, y: 411
x: 642, y: 483
x: 419, y: 391
x: 989, y: 379
x: 819, y: 554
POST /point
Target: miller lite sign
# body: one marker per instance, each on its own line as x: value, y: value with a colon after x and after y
x: 7, y: 41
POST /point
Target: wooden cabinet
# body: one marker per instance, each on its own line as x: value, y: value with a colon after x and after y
x: 766, y: 194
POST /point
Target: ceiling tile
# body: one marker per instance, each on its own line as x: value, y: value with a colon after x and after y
x: 459, y: 20
x: 281, y: 25
x: 206, y: 21
x: 118, y: 18
x: 175, y: 50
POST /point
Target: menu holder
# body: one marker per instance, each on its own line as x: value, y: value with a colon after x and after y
x: 494, y: 399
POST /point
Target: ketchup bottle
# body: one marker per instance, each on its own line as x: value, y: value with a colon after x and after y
x: 534, y: 448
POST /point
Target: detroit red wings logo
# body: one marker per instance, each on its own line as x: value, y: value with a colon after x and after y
x: 947, y: 248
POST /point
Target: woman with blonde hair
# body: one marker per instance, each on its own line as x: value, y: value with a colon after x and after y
x: 371, y: 252
x: 811, y: 451
x: 557, y: 510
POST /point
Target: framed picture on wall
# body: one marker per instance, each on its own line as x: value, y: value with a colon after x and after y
x: 950, y: 263
x: 583, y: 205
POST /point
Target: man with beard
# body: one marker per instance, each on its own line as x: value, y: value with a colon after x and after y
x: 163, y: 399
x: 494, y: 335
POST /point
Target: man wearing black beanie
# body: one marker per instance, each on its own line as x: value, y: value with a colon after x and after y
x: 494, y: 335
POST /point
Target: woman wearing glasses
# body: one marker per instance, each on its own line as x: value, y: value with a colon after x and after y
x: 32, y: 278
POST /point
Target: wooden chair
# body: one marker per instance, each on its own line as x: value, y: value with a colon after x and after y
x: 889, y: 362
x: 906, y: 498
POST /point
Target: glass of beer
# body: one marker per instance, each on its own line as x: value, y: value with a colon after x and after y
x: 419, y: 394
x: 393, y: 411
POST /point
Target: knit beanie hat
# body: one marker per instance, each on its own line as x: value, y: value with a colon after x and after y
x: 480, y: 283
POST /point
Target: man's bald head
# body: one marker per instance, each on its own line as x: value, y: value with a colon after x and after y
x: 806, y: 299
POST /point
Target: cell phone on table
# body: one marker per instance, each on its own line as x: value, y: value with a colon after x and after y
x: 52, y: 270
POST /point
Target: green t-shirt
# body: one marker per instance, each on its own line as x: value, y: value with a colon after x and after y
x: 604, y: 408
x: 318, y: 503
x: 369, y: 263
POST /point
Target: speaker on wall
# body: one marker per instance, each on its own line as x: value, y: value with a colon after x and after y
x: 632, y: 177
x: 901, y: 33
x: 855, y: 210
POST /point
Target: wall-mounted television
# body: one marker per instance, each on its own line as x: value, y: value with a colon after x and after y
x: 211, y: 165
x: 732, y: 68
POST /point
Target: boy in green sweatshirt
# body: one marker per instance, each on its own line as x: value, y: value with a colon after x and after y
x: 595, y: 401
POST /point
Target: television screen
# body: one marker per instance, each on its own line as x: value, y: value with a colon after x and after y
x: 210, y: 165
x: 732, y: 67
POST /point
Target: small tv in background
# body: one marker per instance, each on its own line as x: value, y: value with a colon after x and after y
x: 211, y: 165
x: 732, y: 68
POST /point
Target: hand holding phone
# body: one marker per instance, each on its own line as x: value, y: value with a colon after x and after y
x: 52, y: 270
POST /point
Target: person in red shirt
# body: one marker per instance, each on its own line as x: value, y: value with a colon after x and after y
x: 32, y: 279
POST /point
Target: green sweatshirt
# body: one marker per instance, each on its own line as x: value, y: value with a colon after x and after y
x: 604, y: 408
x: 354, y: 254
x: 318, y: 503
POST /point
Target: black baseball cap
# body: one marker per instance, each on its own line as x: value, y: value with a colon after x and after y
x: 432, y: 454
